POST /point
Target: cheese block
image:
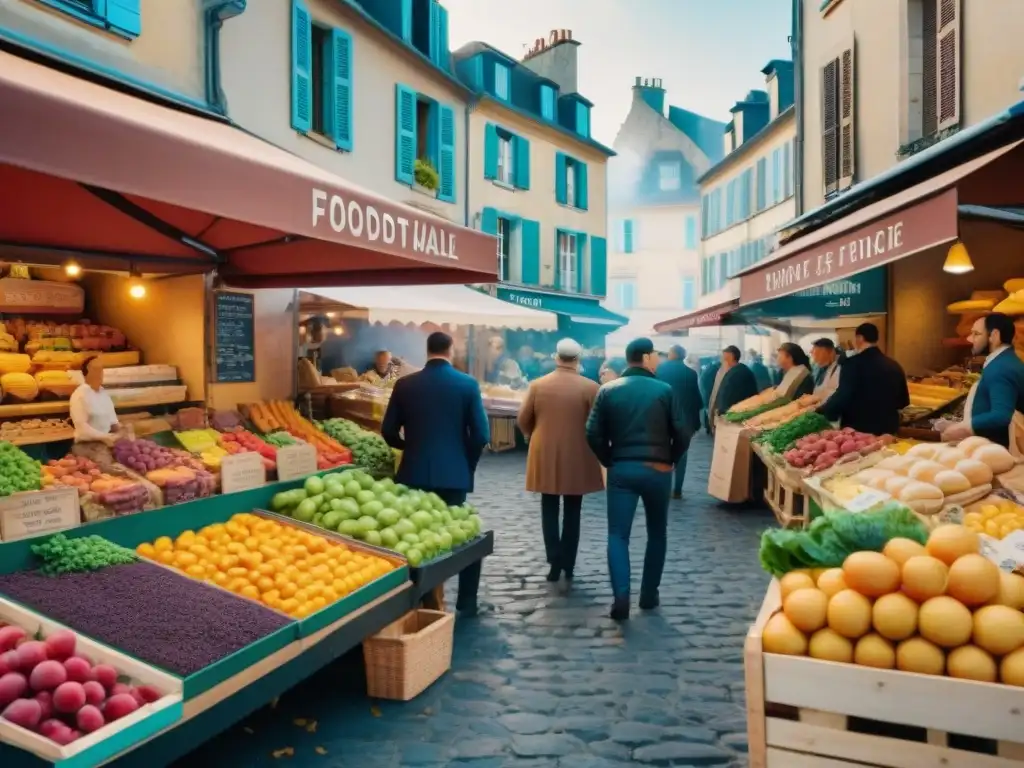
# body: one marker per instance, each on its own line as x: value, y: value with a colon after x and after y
x: 971, y: 305
x: 1013, y: 285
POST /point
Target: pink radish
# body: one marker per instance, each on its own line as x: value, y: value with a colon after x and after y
x: 61, y: 645
x: 23, y: 712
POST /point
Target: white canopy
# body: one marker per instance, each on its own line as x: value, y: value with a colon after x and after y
x: 440, y: 304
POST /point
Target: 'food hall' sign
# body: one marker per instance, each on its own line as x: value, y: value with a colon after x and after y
x: 924, y: 225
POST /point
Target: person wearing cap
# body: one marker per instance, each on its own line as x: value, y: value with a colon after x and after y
x: 559, y: 465
x: 826, y: 358
x: 683, y: 380
x: 637, y: 429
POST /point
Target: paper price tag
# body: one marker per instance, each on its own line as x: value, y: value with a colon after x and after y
x: 295, y: 461
x: 241, y: 472
x: 37, y: 512
x: 866, y: 500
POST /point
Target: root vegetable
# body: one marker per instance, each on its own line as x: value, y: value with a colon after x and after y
x: 47, y: 676
x: 23, y: 712
x: 69, y: 698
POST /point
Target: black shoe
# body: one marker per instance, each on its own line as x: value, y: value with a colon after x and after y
x: 555, y: 573
x: 649, y: 603
x: 568, y: 574
x: 469, y: 611
x: 620, y: 609
x: 677, y: 496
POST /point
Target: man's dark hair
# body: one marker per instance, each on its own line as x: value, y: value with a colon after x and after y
x: 636, y: 349
x: 733, y: 350
x: 824, y: 343
x: 438, y: 343
x: 678, y: 351
x: 868, y: 332
x: 796, y: 353
x: 87, y: 363
x: 997, y: 321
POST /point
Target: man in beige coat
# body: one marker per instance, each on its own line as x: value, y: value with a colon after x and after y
x: 560, y: 464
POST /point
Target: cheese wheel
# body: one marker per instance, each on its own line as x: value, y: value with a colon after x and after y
x: 950, y: 457
x: 924, y: 451
x: 970, y: 444
x: 1011, y: 307
x: 925, y: 471
x: 978, y: 472
x: 970, y: 305
x: 951, y: 482
x: 998, y: 459
x: 918, y: 491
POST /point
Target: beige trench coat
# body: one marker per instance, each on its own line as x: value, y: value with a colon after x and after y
x: 554, y: 418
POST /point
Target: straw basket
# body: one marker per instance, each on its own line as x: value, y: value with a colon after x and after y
x: 404, y: 658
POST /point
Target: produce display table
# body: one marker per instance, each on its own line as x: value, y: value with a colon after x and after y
x: 435, y: 573
x: 783, y: 492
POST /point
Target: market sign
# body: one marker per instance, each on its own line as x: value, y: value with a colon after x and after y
x: 862, y: 294
x: 924, y: 225
x: 242, y: 472
x: 33, y: 513
x: 295, y: 461
x: 40, y: 297
x: 523, y: 299
x: 708, y: 318
x: 234, y: 337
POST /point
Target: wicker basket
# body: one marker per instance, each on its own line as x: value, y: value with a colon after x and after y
x: 404, y: 658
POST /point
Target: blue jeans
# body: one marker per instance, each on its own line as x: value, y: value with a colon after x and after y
x: 680, y: 475
x: 628, y: 483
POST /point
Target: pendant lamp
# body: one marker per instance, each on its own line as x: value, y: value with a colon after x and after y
x: 958, y: 261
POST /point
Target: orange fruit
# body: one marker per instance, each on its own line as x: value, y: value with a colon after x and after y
x: 146, y: 550
x: 288, y: 605
x: 235, y: 548
x: 304, y: 580
x: 265, y: 584
x: 196, y: 571
x: 250, y: 591
x: 237, y: 584
x: 318, y: 602
x: 228, y: 562
x: 185, y: 559
x: 288, y: 590
x: 303, y: 611
x: 329, y: 594
x: 238, y: 572
x: 163, y: 543
x: 220, y: 579
x: 165, y: 556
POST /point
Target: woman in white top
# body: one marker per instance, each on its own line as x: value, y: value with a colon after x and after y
x: 92, y: 412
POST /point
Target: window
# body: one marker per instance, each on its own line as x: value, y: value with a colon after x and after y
x: 502, y: 77
x: 761, y: 201
x: 506, y: 157
x: 627, y: 235
x: 424, y: 137
x: 582, y: 119
x: 723, y: 269
x: 570, y: 181
x: 776, y: 175
x: 838, y: 143
x: 689, y: 293
x: 730, y: 203
x: 787, y: 170
x: 122, y: 17
x: 547, y: 102
x: 321, y: 79
x: 626, y: 295
x: 505, y: 173
x: 566, y: 277
x: 746, y: 181
x: 936, y: 25
x: 504, y: 235
x: 691, y: 233
x: 318, y: 77
x: 669, y: 177
x: 425, y: 26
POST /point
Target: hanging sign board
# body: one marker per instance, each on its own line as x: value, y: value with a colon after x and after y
x: 295, y: 461
x: 20, y: 296
x: 242, y: 472
x: 234, y: 337
x: 37, y: 512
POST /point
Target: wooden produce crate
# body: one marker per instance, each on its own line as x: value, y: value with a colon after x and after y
x: 806, y: 713
x: 784, y: 493
x: 503, y: 433
x: 406, y: 657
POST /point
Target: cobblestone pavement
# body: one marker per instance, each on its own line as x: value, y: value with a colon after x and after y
x: 544, y: 679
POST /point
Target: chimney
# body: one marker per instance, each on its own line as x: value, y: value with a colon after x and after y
x: 555, y: 57
x: 749, y: 116
x: 651, y: 91
x: 779, y: 83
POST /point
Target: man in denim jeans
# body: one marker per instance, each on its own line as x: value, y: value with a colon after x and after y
x: 637, y: 429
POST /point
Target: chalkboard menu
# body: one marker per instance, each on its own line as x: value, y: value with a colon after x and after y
x: 234, y: 337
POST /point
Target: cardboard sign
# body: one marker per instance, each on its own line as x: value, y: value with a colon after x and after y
x: 729, y: 479
x: 295, y: 461
x: 33, y: 513
x: 866, y: 500
x: 241, y: 472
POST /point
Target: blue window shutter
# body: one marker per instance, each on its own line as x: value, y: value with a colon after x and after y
x: 441, y: 30
x: 490, y: 151
x: 581, y: 243
x: 529, y: 236
x: 405, y: 134
x: 521, y: 161
x: 787, y: 162
x: 598, y: 266
x: 582, y: 200
x: 691, y: 233
x: 560, y: 193
x: 446, y: 154
x: 302, y: 59
x: 340, y: 89
x: 124, y: 16
x: 582, y: 119
x: 406, y: 20
x: 627, y: 236
x: 762, y: 184
x: 489, y: 221
x: 558, y: 262
x: 547, y: 102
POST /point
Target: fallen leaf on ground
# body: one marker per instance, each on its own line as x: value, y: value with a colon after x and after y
x: 320, y: 751
x: 375, y: 711
x: 300, y: 721
x: 286, y: 752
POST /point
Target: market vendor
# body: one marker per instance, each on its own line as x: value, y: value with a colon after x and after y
x: 733, y: 382
x: 528, y: 363
x: 92, y: 411
x: 384, y: 370
x: 502, y: 369
x: 826, y: 358
x: 797, y: 379
x: 995, y: 404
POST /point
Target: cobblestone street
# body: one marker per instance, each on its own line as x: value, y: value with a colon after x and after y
x: 545, y: 679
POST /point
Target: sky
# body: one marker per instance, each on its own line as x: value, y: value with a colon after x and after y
x: 708, y: 53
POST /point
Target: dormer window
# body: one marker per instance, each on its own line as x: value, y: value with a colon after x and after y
x: 583, y: 119
x: 547, y: 102
x: 669, y: 177
x: 502, y: 84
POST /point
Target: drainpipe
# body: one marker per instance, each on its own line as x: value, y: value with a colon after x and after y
x: 215, y: 13
x: 470, y: 103
x: 797, y: 48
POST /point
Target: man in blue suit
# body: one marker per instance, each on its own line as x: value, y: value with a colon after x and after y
x: 436, y: 418
x: 999, y: 394
x: 686, y: 387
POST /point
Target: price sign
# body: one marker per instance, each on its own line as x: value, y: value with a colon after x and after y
x: 241, y: 472
x: 37, y: 512
x: 295, y: 461
x: 866, y: 500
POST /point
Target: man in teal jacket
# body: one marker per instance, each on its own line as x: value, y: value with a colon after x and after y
x: 637, y: 430
x: 1000, y: 392
x: 683, y: 380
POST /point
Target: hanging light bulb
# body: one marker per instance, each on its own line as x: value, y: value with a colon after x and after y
x: 136, y: 288
x: 72, y: 268
x: 958, y: 260
x: 330, y: 315
x: 338, y: 330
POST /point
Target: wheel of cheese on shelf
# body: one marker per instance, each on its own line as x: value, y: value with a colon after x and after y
x: 1012, y: 305
x: 1014, y: 284
x: 20, y: 386
x: 970, y: 305
x: 14, y: 363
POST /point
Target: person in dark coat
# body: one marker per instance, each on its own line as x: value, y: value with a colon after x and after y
x: 872, y: 388
x: 436, y: 418
x: 734, y: 383
x: 708, y: 375
x: 683, y: 380
x: 638, y: 431
x: 762, y: 375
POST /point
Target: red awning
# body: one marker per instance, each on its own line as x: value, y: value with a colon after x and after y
x: 88, y: 169
x: 705, y: 318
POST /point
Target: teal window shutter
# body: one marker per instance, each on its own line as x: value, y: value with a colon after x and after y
x: 302, y: 58
x: 691, y: 233
x: 558, y: 262
x: 339, y: 90
x: 490, y: 151
x: 627, y: 235
x: 489, y: 221
x: 521, y: 161
x: 502, y: 81
x: 560, y: 191
x: 582, y: 119
x: 124, y: 16
x: 582, y: 200
x: 787, y: 163
x: 440, y: 28
x: 581, y: 243
x: 547, y: 102
x: 446, y: 155
x: 405, y: 134
x: 776, y: 176
x: 689, y: 297
x: 598, y: 266
x: 762, y: 184
x: 407, y: 20
x: 529, y: 236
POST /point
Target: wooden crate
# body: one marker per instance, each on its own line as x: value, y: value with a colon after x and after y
x: 785, y: 496
x: 805, y: 713
x: 503, y: 433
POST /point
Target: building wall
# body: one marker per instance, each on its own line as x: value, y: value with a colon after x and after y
x: 257, y: 80
x: 888, y: 63
x: 538, y: 203
x: 168, y: 55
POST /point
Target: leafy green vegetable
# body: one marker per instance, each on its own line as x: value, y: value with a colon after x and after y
x: 369, y: 450
x: 739, y: 416
x: 780, y: 438
x: 88, y: 553
x: 873, y: 529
